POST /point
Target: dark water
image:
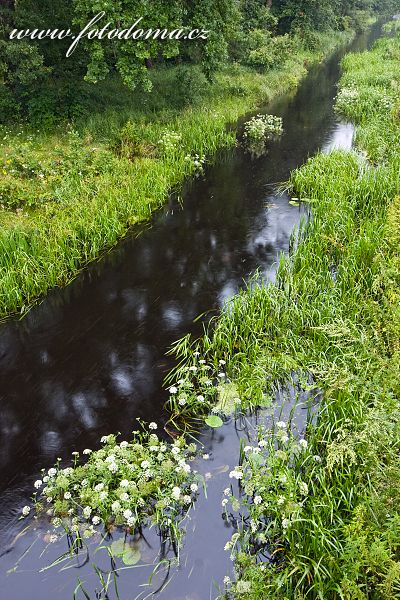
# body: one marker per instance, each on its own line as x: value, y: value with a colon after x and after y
x: 91, y: 357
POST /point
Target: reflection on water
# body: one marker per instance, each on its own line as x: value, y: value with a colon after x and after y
x: 91, y: 358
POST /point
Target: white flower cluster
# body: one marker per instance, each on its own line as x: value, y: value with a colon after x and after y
x: 124, y: 484
x: 169, y: 141
x: 263, y: 126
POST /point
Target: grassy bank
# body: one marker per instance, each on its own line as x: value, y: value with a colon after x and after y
x: 326, y: 507
x: 329, y: 512
x: 67, y: 196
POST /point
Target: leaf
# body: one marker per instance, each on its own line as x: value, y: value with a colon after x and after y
x: 228, y: 398
x: 118, y: 547
x: 131, y: 556
x: 294, y: 203
x: 214, y: 421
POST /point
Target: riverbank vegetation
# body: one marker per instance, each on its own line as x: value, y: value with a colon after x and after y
x: 325, y: 509
x: 92, y: 144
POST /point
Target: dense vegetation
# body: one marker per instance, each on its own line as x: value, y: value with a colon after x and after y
x: 93, y: 143
x: 327, y: 507
x: 39, y: 81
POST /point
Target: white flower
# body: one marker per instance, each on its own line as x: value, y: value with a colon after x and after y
x: 262, y: 443
x: 45, y: 479
x: 176, y: 492
x: 182, y: 401
x: 153, y: 448
x: 26, y: 510
x: 104, y: 439
x: 194, y: 487
x: 87, y: 511
x: 124, y: 483
x: 206, y: 456
x: 127, y: 513
x: 67, y: 496
x: 197, y: 353
x: 224, y: 501
x: 281, y: 424
x: 53, y: 538
x: 222, y: 362
x: 163, y: 448
x: 193, y: 368
x: 87, y: 451
x: 131, y: 521
x: 115, y: 507
x: 227, y: 491
x: 317, y: 458
x: 99, y: 487
x: 84, y: 483
x: 96, y: 520
x: 200, y: 398
x: 221, y: 375
x: 202, y: 361
x: 227, y: 580
x: 124, y: 497
x: 281, y: 500
x: 145, y: 464
x: 285, y: 439
x: 303, y: 488
x: 247, y: 448
x: 75, y: 453
x: 103, y: 495
x: 173, y: 389
x: 38, y: 483
x: 123, y: 444
x: 113, y: 467
x: 52, y: 472
x: 303, y: 443
x: 49, y: 499
x: 153, y: 425
x: 186, y: 468
x: 236, y: 473
x: 207, y: 476
x: 257, y: 499
x: 175, y: 450
x: 285, y: 523
x: 187, y: 499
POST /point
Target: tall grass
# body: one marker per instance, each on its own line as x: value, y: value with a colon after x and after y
x: 90, y: 203
x: 333, y: 316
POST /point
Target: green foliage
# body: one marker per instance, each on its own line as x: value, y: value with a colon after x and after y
x: 325, y: 508
x: 126, y: 484
x: 55, y: 225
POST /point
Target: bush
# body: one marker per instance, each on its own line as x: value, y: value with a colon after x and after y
x: 189, y: 86
x: 9, y: 107
x: 267, y: 52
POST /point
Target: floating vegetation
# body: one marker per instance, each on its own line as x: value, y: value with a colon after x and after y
x: 260, y: 129
x: 126, y: 484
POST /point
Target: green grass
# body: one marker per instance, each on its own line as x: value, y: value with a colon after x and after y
x: 70, y: 195
x: 334, y: 314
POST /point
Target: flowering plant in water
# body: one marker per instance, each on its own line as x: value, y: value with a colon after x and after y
x: 272, y: 493
x: 200, y: 386
x: 125, y: 484
x: 262, y: 127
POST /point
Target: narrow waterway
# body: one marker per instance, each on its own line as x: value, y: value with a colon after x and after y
x: 91, y: 357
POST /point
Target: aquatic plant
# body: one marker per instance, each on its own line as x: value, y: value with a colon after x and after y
x: 262, y: 127
x: 126, y: 484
